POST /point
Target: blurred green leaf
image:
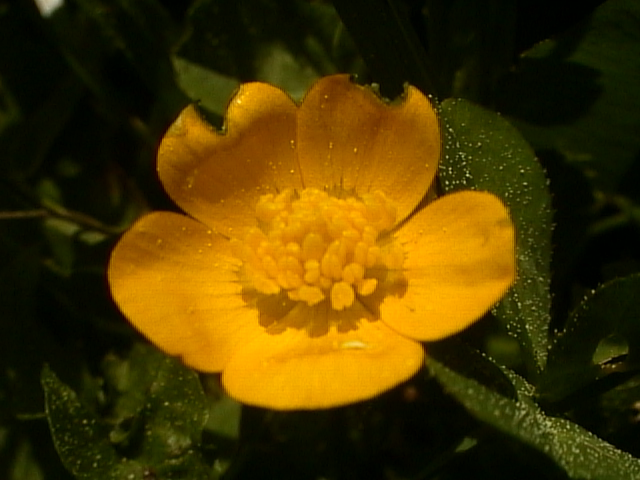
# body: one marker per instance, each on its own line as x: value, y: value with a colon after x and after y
x: 120, y: 51
x: 224, y: 418
x: 210, y: 89
x: 580, y: 453
x: 580, y: 95
x: 482, y: 151
x: 142, y: 31
x: 26, y: 342
x: 30, y: 107
x: 606, y: 319
x: 472, y: 44
x: 387, y: 40
x: 245, y: 40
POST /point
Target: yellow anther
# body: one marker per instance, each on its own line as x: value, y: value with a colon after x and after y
x: 339, y: 250
x: 367, y: 286
x: 317, y: 247
x: 373, y: 255
x: 313, y: 246
x: 338, y: 224
x: 342, y: 295
x: 292, y: 232
x: 293, y: 279
x: 358, y: 221
x: 312, y: 272
x: 267, y: 209
x: 291, y: 264
x: 351, y: 234
x: 270, y: 266
x: 369, y: 235
x: 265, y: 248
x: 265, y: 285
x: 293, y: 249
x: 331, y: 266
x: 360, y: 252
x: 311, y: 295
x: 325, y: 283
x: 352, y: 273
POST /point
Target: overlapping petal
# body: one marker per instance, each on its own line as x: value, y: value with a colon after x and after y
x: 217, y: 177
x: 460, y: 261
x: 176, y: 281
x: 348, y: 137
x: 297, y: 369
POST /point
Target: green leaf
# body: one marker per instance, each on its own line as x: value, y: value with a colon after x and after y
x: 224, y: 418
x: 606, y: 319
x: 482, y: 151
x: 161, y: 398
x: 580, y: 453
x: 155, y: 424
x: 79, y: 437
x: 579, y: 94
x: 175, y: 413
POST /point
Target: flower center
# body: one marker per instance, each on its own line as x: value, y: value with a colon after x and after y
x: 314, y: 246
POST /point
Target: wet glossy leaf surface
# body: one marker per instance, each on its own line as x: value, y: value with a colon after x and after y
x: 484, y: 152
x: 580, y: 453
x: 155, y: 423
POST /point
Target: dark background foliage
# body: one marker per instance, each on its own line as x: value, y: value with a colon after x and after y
x: 87, y: 91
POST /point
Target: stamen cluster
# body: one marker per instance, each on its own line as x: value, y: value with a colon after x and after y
x: 315, y: 246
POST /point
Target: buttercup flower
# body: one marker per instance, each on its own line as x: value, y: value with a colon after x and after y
x: 303, y: 272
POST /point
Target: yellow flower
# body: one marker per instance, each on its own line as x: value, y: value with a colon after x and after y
x: 303, y: 272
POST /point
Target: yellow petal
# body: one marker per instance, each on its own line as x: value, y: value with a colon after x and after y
x: 347, y: 136
x: 460, y: 261
x: 175, y: 280
x: 294, y: 368
x: 217, y: 177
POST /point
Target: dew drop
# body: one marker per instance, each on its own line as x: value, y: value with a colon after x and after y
x: 353, y: 345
